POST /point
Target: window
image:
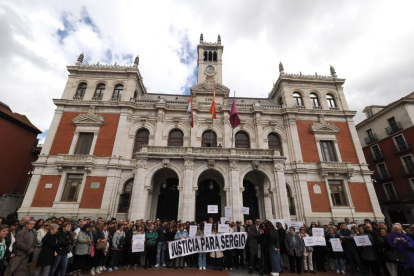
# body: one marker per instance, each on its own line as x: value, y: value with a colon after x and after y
x: 370, y: 133
x: 369, y: 113
x: 118, y: 91
x: 376, y: 152
x: 84, y: 143
x: 297, y: 99
x: 337, y: 193
x: 331, y: 101
x: 382, y: 171
x: 328, y: 152
x: 209, y: 139
x: 408, y: 164
x: 280, y: 101
x: 274, y: 142
x: 141, y: 139
x: 175, y: 138
x: 392, y: 122
x: 389, y: 191
x: 314, y: 100
x: 292, y: 209
x: 72, y: 186
x: 99, y: 91
x: 242, y: 140
x: 80, y: 93
x: 125, y: 197
x: 400, y: 143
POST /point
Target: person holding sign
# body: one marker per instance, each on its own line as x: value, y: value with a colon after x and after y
x: 216, y: 255
x: 238, y: 253
x: 228, y: 254
x: 135, y: 258
x: 338, y: 257
x: 319, y: 251
x: 368, y: 253
x: 202, y: 263
x: 294, y: 246
x: 181, y: 234
x: 307, y: 252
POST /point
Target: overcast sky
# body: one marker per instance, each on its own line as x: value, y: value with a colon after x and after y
x: 370, y: 44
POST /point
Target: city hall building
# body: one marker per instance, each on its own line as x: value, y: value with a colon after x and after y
x: 114, y: 150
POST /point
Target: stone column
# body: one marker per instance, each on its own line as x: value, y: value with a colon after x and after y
x: 139, y: 197
x: 259, y: 131
x: 121, y: 134
x: 31, y: 189
x: 280, y: 193
x: 227, y: 131
x: 109, y: 199
x: 236, y: 191
x: 268, y: 205
x: 159, y: 128
x: 188, y: 198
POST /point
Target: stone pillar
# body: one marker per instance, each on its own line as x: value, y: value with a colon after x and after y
x: 121, y: 134
x: 302, y: 204
x: 159, y: 128
x: 279, y: 193
x: 139, y: 197
x: 268, y: 205
x: 52, y: 131
x: 187, y: 200
x: 259, y: 131
x: 236, y: 191
x: 31, y: 189
x: 109, y: 199
x: 227, y: 131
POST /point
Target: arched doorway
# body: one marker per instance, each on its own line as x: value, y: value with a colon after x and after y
x: 255, y: 183
x: 250, y: 200
x: 209, y: 192
x: 125, y: 197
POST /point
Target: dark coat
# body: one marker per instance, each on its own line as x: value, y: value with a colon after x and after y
x: 65, y: 242
x: 254, y: 239
x: 382, y: 247
x: 49, y: 247
x: 282, y: 235
x: 369, y: 252
x: 296, y: 247
x: 23, y: 243
x: 272, y: 239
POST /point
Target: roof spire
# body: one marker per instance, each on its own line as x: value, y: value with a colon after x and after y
x: 201, y: 38
x: 333, y: 72
x: 281, y: 69
x: 80, y: 58
x: 219, y: 39
x: 136, y: 61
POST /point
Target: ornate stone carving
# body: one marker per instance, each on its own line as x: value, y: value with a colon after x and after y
x: 160, y: 118
x: 151, y: 137
x: 323, y: 127
x: 333, y: 72
x: 141, y: 163
x: 88, y: 169
x: 136, y: 61
x: 255, y: 165
x: 129, y: 118
x: 80, y: 58
x: 257, y: 122
x: 279, y: 167
x: 273, y: 124
x: 176, y: 121
x: 143, y: 120
x: 281, y: 68
x: 89, y: 119
x: 165, y: 162
x: 211, y: 163
x: 189, y: 165
x: 220, y: 140
x: 234, y: 165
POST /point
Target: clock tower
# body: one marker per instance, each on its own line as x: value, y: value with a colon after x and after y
x: 210, y: 60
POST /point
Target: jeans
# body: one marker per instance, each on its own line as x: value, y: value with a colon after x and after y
x: 339, y: 264
x: 202, y: 260
x: 63, y: 260
x: 161, y: 249
x: 44, y: 271
x: 274, y: 258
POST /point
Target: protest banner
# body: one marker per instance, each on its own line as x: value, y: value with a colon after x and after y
x: 362, y: 240
x: 336, y: 245
x: 228, y: 212
x: 244, y: 210
x: 199, y: 244
x: 212, y: 209
x: 138, y: 243
x: 207, y: 229
x: 193, y: 231
x: 318, y: 233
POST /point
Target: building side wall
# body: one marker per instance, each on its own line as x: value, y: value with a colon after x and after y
x: 360, y: 197
x: 345, y: 143
x: 307, y: 142
x: 44, y: 197
x: 92, y: 198
x: 319, y: 202
x: 107, y: 134
x: 64, y: 134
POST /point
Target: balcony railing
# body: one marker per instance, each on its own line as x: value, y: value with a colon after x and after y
x: 115, y: 99
x: 407, y: 170
x: 387, y: 198
x: 78, y: 98
x: 371, y: 139
x: 334, y: 108
x: 401, y: 147
x: 299, y: 106
x: 317, y: 107
x: 393, y: 128
x: 97, y: 98
x: 382, y: 176
x: 377, y: 156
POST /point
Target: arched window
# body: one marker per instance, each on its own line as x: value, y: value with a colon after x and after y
x: 80, y: 93
x: 292, y: 209
x: 175, y: 138
x: 215, y: 56
x: 141, y: 139
x: 331, y: 101
x: 209, y: 139
x: 125, y: 197
x: 280, y: 101
x: 100, y: 89
x: 314, y: 100
x: 205, y: 55
x: 297, y: 99
x: 118, y: 92
x: 274, y: 142
x: 210, y: 56
x: 242, y: 140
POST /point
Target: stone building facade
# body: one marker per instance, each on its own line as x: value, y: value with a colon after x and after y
x: 115, y: 150
x: 387, y: 137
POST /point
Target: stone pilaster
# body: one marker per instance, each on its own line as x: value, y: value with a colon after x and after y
x: 279, y: 193
x: 121, y: 134
x: 139, y: 195
x: 188, y: 198
x: 52, y: 131
x: 236, y: 191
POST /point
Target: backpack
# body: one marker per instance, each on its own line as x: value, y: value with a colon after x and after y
x: 122, y: 242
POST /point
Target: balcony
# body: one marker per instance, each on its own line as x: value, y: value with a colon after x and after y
x: 299, y: 106
x: 78, y: 98
x: 317, y: 107
x: 377, y: 156
x: 393, y: 128
x: 407, y: 171
x: 382, y: 176
x: 97, y: 98
x: 334, y: 108
x: 403, y: 147
x: 115, y: 99
x: 371, y: 139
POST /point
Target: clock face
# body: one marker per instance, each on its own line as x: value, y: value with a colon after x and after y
x: 210, y: 69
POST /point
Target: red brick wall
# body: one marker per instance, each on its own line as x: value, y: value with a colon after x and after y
x: 64, y: 134
x: 45, y: 197
x: 107, y: 134
x: 319, y: 202
x: 307, y: 142
x: 360, y: 197
x: 92, y: 198
x: 15, y: 157
x: 345, y: 143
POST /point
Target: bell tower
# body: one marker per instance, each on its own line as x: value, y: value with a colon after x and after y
x: 210, y: 60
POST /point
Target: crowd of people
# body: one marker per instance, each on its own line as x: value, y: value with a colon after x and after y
x: 62, y: 246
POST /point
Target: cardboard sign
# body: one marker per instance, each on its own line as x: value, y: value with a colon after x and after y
x: 193, y: 231
x: 362, y: 240
x: 223, y: 228
x: 223, y: 220
x: 228, y: 211
x: 207, y: 229
x: 244, y: 210
x: 309, y: 241
x: 138, y: 243
x: 212, y: 209
x: 295, y: 224
x: 318, y: 234
x: 336, y: 245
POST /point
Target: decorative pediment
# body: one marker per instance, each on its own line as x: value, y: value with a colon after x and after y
x: 208, y: 86
x: 89, y: 119
x: 324, y: 127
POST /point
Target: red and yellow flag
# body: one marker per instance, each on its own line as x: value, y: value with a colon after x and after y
x: 213, y: 105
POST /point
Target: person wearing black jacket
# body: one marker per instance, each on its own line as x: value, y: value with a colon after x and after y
x: 382, y: 247
x: 47, y: 254
x: 283, y: 251
x: 272, y: 240
x: 172, y: 230
x: 99, y: 254
x: 162, y: 232
x: 350, y: 249
x: 65, y: 243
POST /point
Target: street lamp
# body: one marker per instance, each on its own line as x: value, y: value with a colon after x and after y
x: 211, y: 185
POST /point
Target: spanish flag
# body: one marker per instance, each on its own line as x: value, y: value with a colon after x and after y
x: 190, y: 112
x: 213, y: 105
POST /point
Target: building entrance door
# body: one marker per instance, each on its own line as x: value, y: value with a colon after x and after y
x: 208, y: 194
x: 250, y: 200
x: 167, y: 207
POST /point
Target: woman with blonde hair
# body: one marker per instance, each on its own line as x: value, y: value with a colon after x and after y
x: 307, y: 251
x: 401, y: 243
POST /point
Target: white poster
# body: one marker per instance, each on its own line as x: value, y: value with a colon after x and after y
x: 318, y: 233
x: 212, y: 209
x: 295, y: 224
x: 244, y: 210
x: 309, y: 241
x: 223, y: 228
x: 282, y: 221
x: 138, y: 243
x: 350, y: 226
x: 336, y: 245
x: 223, y: 220
x: 193, y: 231
x: 228, y: 212
x: 207, y: 229
x: 362, y: 240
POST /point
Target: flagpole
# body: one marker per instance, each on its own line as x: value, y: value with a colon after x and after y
x: 232, y: 129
